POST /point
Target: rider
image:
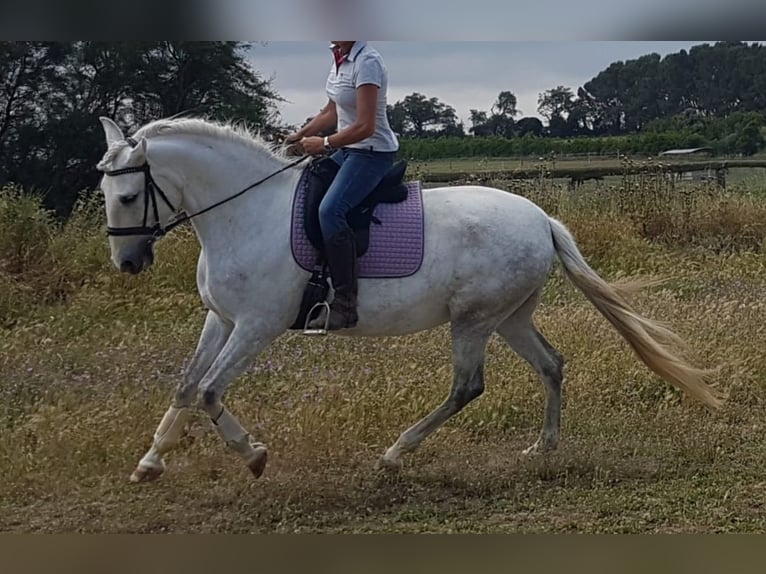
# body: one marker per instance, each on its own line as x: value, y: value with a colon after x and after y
x: 364, y: 147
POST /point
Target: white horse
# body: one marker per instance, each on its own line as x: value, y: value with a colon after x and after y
x: 487, y: 254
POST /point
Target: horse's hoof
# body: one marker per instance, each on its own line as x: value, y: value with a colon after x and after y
x: 392, y: 466
x: 531, y: 451
x: 258, y: 463
x: 146, y: 474
x: 538, y: 448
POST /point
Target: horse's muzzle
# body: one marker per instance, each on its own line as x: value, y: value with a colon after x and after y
x: 139, y: 261
x: 130, y: 267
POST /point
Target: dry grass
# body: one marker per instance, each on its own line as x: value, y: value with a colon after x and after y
x: 89, y: 358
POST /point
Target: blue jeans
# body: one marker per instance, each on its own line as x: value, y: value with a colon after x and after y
x: 360, y: 172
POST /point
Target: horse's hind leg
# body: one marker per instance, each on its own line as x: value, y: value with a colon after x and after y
x: 170, y: 430
x: 520, y: 333
x: 469, y: 342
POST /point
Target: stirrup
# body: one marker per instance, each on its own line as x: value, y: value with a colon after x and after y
x: 307, y: 331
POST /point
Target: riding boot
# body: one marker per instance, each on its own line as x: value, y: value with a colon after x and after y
x: 340, y: 251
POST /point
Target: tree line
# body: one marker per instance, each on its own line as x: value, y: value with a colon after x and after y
x: 626, y: 98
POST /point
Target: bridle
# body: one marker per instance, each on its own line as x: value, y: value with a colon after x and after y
x: 152, y: 190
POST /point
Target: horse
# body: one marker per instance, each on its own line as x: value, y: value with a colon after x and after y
x: 486, y: 255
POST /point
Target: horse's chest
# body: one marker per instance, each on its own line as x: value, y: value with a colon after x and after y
x: 223, y: 290
x: 212, y: 290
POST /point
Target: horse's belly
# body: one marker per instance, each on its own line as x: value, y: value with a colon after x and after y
x: 397, y: 310
x: 484, y: 250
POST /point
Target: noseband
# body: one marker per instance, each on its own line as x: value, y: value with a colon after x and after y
x: 152, y: 190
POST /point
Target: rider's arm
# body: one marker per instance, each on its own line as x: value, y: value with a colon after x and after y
x: 324, y: 120
x: 364, y: 126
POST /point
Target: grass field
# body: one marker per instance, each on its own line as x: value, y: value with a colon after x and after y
x: 89, y: 359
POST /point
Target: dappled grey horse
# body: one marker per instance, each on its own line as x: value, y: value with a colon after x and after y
x: 486, y: 255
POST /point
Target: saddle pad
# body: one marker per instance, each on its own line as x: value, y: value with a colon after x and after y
x: 396, y: 245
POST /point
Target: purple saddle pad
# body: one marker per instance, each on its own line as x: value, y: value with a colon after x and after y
x: 396, y: 245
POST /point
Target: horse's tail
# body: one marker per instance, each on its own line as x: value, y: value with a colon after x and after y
x: 654, y: 344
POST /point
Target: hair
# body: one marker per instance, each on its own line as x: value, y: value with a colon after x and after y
x: 234, y: 131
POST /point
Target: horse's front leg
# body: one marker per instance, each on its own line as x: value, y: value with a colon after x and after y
x: 244, y: 343
x: 214, y: 335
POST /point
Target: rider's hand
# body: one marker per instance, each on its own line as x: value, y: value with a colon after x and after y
x: 313, y: 145
x: 292, y: 138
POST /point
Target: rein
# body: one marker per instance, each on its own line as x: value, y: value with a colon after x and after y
x: 151, y: 190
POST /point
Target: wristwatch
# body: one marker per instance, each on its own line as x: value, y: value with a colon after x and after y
x: 327, y: 146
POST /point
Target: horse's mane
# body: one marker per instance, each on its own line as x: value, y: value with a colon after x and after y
x: 234, y: 131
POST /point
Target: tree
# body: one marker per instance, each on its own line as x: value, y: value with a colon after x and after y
x: 454, y: 130
x: 421, y: 116
x: 31, y: 76
x: 397, y: 118
x: 505, y: 105
x: 479, y: 125
x: 750, y: 140
x: 501, y: 123
x: 211, y: 78
x: 53, y: 93
x: 448, y: 124
x: 529, y: 126
x: 555, y: 103
x: 500, y: 120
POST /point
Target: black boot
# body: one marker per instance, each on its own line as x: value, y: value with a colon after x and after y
x: 340, y: 251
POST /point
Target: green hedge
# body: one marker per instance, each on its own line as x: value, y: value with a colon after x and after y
x: 443, y: 148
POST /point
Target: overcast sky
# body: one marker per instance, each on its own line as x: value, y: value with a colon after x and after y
x: 464, y: 75
x: 482, y: 20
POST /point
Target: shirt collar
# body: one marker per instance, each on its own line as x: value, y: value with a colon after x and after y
x: 355, y: 49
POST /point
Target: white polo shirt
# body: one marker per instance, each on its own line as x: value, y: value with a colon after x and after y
x: 362, y: 66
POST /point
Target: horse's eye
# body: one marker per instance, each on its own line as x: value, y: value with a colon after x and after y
x: 128, y: 199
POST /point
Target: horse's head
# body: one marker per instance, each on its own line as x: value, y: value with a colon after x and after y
x: 137, y: 209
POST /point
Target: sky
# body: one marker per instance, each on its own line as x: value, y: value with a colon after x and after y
x: 396, y: 20
x: 464, y: 75
x: 430, y: 20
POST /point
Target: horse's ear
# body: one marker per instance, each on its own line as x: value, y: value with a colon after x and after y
x: 112, y: 131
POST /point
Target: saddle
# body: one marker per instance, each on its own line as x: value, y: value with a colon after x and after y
x: 320, y: 174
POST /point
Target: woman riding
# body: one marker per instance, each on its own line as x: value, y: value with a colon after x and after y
x: 364, y: 147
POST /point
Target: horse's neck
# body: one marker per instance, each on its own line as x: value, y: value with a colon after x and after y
x: 215, y: 173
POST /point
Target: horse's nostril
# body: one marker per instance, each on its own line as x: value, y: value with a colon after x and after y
x: 128, y: 267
